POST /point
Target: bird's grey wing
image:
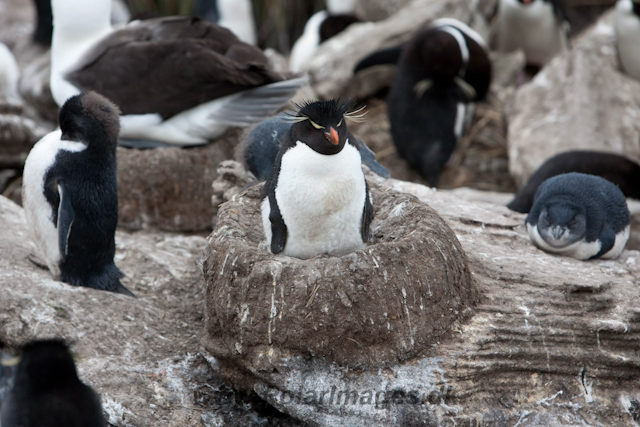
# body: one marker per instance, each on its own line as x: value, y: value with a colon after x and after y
x: 66, y: 216
x: 165, y: 66
x: 369, y: 157
x: 257, y: 104
x: 607, y: 239
x: 367, y: 215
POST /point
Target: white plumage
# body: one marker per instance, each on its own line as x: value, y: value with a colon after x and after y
x: 321, y: 199
x: 37, y: 210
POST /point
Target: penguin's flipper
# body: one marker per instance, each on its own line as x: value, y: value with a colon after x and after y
x: 380, y: 57
x: 607, y: 239
x: 66, y: 216
x: 121, y: 289
x: 367, y: 215
x: 369, y: 157
x: 278, y: 227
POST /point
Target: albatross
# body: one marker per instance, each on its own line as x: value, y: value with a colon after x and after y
x: 178, y: 80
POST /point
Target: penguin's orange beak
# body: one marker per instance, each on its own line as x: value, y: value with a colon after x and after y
x: 332, y: 136
x: 527, y: 1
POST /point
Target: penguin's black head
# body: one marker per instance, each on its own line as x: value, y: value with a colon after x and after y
x: 46, y: 364
x: 562, y: 222
x: 322, y: 125
x: 90, y: 118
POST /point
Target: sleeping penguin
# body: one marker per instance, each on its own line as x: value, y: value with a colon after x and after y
x: 48, y: 392
x: 627, y: 27
x: 316, y: 200
x: 615, y: 168
x: 440, y: 70
x: 70, y: 195
x: 259, y: 148
x: 579, y: 215
x: 539, y: 27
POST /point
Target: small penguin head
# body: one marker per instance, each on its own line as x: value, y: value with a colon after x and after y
x: 322, y: 125
x: 90, y: 118
x: 45, y: 364
x: 562, y: 222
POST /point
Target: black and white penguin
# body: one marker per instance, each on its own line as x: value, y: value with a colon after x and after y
x: 614, y: 168
x: 179, y: 80
x: 579, y: 215
x: 320, y: 27
x: 316, y: 200
x: 627, y: 27
x: 440, y: 70
x: 48, y: 392
x: 260, y: 146
x: 70, y: 194
x: 539, y: 27
x: 236, y: 15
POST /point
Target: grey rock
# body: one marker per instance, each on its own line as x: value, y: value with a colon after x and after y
x: 580, y: 100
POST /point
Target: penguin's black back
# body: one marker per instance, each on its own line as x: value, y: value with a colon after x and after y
x: 614, y: 168
x: 48, y: 393
x: 89, y: 179
x: 603, y: 201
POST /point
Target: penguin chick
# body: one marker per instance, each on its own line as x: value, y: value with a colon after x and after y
x: 614, y: 168
x: 627, y: 27
x: 439, y: 71
x: 316, y: 199
x: 47, y: 391
x: 579, y: 215
x: 539, y: 27
x: 70, y: 194
x: 259, y: 148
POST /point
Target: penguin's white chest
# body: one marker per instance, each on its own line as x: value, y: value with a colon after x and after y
x: 38, y: 212
x: 321, y: 199
x: 533, y: 28
x: 627, y: 27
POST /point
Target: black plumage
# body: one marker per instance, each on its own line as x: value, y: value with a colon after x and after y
x: 614, y: 168
x: 48, y: 393
x: 579, y: 215
x: 259, y: 148
x: 438, y: 69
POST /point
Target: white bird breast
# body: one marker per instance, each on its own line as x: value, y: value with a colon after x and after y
x: 321, y: 199
x: 580, y: 250
x: 38, y: 211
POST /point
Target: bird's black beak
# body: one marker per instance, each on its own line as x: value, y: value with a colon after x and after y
x: 557, y: 232
x: 332, y: 136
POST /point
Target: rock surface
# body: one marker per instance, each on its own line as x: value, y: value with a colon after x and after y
x: 142, y: 355
x: 387, y: 302
x: 552, y: 342
x: 580, y: 100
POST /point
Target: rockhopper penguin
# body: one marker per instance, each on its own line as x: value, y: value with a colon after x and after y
x: 579, y: 215
x: 260, y: 146
x: 316, y: 200
x: 70, y: 194
x: 47, y: 391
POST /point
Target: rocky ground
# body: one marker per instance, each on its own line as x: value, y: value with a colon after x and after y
x: 540, y: 340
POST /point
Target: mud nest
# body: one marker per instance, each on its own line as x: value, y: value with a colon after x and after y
x: 386, y: 303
